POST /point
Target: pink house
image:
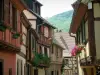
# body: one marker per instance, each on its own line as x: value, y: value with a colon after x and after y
x: 10, y: 32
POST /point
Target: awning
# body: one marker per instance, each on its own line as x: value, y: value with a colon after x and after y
x: 77, y: 17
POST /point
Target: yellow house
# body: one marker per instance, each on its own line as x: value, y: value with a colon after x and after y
x: 85, y: 24
x: 56, y: 55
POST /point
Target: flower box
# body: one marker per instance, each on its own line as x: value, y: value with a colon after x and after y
x: 16, y: 35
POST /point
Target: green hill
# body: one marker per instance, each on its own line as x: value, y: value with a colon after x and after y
x: 62, y: 21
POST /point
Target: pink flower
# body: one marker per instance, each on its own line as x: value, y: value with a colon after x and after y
x: 74, y: 50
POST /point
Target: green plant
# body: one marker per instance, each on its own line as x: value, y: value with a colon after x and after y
x: 36, y: 59
x: 46, y: 60
x: 2, y: 26
x: 62, y: 67
x: 40, y: 59
x: 16, y: 35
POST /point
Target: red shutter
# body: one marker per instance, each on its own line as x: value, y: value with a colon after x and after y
x: 18, y: 28
x: 13, y: 41
x: 7, y: 35
x: 0, y: 35
x: 6, y: 10
x: 11, y: 14
x: 42, y: 29
x: 18, y: 20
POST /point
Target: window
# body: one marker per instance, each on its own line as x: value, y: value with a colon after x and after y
x: 28, y: 69
x: 52, y: 50
x: 17, y: 67
x: 14, y: 18
x: 34, y: 6
x: 61, y: 53
x: 38, y: 9
x: 9, y: 12
x: 21, y: 67
x: 81, y: 33
x: 57, y: 72
x: 33, y: 44
x: 40, y: 49
x: 10, y: 71
x: 57, y: 51
x: 45, y: 51
x: 24, y: 69
x: 66, y: 61
x: 1, y: 9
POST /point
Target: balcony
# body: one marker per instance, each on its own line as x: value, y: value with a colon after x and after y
x: 44, y: 40
x: 86, y: 61
x: 9, y: 41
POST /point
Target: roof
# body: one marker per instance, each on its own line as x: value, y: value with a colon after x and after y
x: 39, y: 3
x: 79, y: 12
x: 69, y: 41
x: 45, y: 21
x: 20, y: 4
x: 26, y: 22
x: 57, y: 43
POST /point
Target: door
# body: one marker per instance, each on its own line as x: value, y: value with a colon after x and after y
x: 36, y: 72
x: 1, y: 68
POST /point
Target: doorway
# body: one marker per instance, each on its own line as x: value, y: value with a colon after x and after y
x: 1, y: 68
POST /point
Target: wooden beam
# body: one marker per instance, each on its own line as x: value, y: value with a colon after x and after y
x: 32, y: 19
x: 91, y: 34
x: 97, y: 19
x: 85, y: 72
x: 87, y: 66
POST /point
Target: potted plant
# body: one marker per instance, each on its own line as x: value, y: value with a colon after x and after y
x: 16, y: 35
x: 2, y: 26
x: 36, y: 59
x: 46, y: 60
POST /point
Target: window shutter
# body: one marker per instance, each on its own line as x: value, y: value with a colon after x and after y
x: 42, y: 29
x: 6, y: 10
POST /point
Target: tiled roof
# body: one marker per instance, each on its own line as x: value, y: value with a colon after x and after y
x: 57, y: 43
x: 67, y: 41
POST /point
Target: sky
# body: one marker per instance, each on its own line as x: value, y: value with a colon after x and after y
x: 53, y: 7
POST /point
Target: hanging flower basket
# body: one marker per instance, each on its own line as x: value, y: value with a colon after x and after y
x: 16, y: 35
x: 2, y: 26
x: 77, y: 50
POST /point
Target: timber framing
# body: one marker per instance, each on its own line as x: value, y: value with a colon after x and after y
x: 9, y: 47
x: 97, y: 19
x: 91, y: 34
